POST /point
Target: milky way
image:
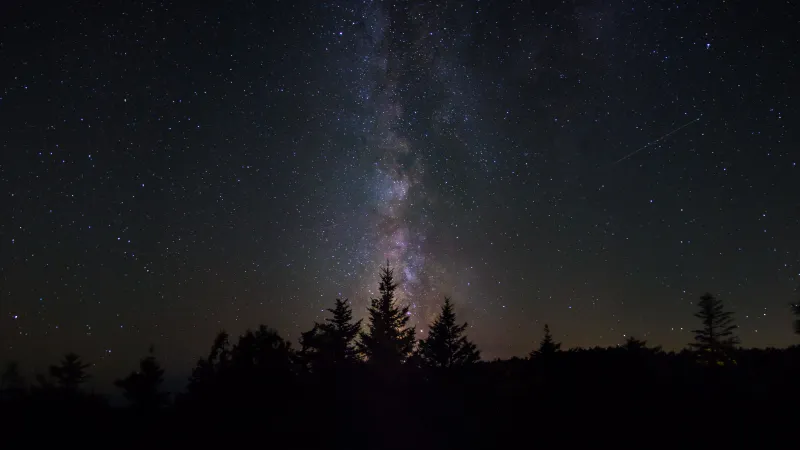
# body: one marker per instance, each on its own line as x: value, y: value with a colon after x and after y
x: 395, y: 189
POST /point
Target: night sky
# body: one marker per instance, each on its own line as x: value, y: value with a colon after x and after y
x: 169, y: 170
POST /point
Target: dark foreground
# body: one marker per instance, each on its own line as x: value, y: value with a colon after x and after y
x: 641, y: 397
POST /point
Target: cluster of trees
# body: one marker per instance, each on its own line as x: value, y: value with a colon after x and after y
x: 344, y: 366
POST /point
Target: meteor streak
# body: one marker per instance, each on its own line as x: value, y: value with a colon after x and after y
x: 654, y: 142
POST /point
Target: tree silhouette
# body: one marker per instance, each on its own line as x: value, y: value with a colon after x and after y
x: 207, y: 370
x: 42, y: 382
x: 12, y: 384
x: 446, y: 347
x: 387, y: 342
x: 716, y: 336
x: 260, y: 353
x: 635, y: 345
x: 331, y: 343
x: 141, y: 387
x: 547, y: 346
x: 312, y: 348
x: 71, y: 373
x: 259, y: 364
x: 342, y: 332
x: 220, y: 350
x: 11, y: 378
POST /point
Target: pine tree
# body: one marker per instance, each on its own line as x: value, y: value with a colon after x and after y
x: 547, y: 346
x: 716, y: 336
x: 387, y: 342
x: 142, y: 388
x: 342, y: 332
x: 71, y: 373
x: 446, y: 347
x: 331, y: 343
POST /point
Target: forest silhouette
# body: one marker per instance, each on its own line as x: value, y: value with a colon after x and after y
x: 374, y: 385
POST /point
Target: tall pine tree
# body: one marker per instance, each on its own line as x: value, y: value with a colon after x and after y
x: 331, y: 343
x: 387, y: 342
x: 547, y: 346
x: 716, y: 336
x: 446, y: 346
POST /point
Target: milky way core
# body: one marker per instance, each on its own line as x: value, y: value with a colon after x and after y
x: 397, y: 200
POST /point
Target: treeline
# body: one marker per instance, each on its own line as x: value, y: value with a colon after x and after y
x: 374, y: 385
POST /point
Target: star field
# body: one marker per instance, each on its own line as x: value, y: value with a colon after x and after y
x: 169, y: 170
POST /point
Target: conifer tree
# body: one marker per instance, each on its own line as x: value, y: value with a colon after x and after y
x: 446, y: 346
x: 71, y: 373
x: 547, y: 346
x: 716, y: 336
x: 387, y: 341
x: 342, y: 331
x: 141, y: 388
x: 331, y: 343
